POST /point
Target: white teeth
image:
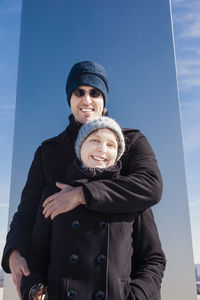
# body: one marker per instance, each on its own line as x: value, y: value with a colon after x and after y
x: 86, y: 109
x: 99, y: 158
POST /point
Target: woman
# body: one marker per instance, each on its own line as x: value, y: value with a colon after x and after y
x: 85, y: 254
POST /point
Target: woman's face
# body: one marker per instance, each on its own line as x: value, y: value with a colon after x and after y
x: 100, y: 148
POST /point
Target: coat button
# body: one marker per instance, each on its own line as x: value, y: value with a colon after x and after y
x: 75, y: 224
x: 73, y: 258
x: 71, y: 293
x: 100, y: 295
x: 103, y: 224
x: 101, y: 259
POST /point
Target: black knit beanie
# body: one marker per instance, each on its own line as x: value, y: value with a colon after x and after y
x: 87, y: 73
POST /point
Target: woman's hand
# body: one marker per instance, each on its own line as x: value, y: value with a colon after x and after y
x: 67, y: 199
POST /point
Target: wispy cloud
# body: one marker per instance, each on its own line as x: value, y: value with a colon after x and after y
x: 178, y: 1
x: 187, y: 39
x: 192, y: 139
x: 190, y: 48
x: 188, y: 65
x: 193, y: 29
x: 189, y: 72
x: 195, y: 179
x: 191, y: 126
x: 188, y: 13
x: 197, y: 203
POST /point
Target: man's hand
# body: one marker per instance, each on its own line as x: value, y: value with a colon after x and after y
x: 67, y: 199
x: 18, y: 266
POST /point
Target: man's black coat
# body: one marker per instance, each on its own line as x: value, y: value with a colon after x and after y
x: 138, y: 187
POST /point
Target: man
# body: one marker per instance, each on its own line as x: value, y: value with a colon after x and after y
x: 138, y: 187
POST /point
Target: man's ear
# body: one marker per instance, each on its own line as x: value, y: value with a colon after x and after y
x: 69, y: 102
x: 105, y: 112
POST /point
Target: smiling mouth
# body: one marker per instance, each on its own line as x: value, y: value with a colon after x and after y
x: 87, y: 109
x: 99, y: 158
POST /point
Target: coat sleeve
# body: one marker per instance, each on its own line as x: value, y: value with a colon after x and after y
x: 148, y: 262
x: 137, y: 189
x: 19, y: 234
x: 39, y: 252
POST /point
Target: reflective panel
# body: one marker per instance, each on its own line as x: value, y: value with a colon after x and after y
x: 133, y: 40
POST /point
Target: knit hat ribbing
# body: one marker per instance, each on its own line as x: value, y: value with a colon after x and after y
x: 90, y: 74
x: 100, y: 122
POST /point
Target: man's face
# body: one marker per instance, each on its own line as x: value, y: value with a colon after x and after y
x: 100, y: 148
x: 86, y: 107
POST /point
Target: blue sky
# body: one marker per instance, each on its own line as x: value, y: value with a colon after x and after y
x: 187, y: 40
x: 187, y: 44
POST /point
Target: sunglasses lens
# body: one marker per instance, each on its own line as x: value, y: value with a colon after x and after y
x: 94, y: 93
x: 79, y: 93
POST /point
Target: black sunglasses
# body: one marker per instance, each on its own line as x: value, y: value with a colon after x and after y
x: 94, y: 93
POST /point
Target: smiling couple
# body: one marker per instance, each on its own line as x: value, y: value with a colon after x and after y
x: 83, y: 229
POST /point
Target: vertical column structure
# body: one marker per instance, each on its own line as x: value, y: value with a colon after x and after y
x: 134, y: 41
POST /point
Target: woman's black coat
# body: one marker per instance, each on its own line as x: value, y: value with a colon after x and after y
x: 93, y: 255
